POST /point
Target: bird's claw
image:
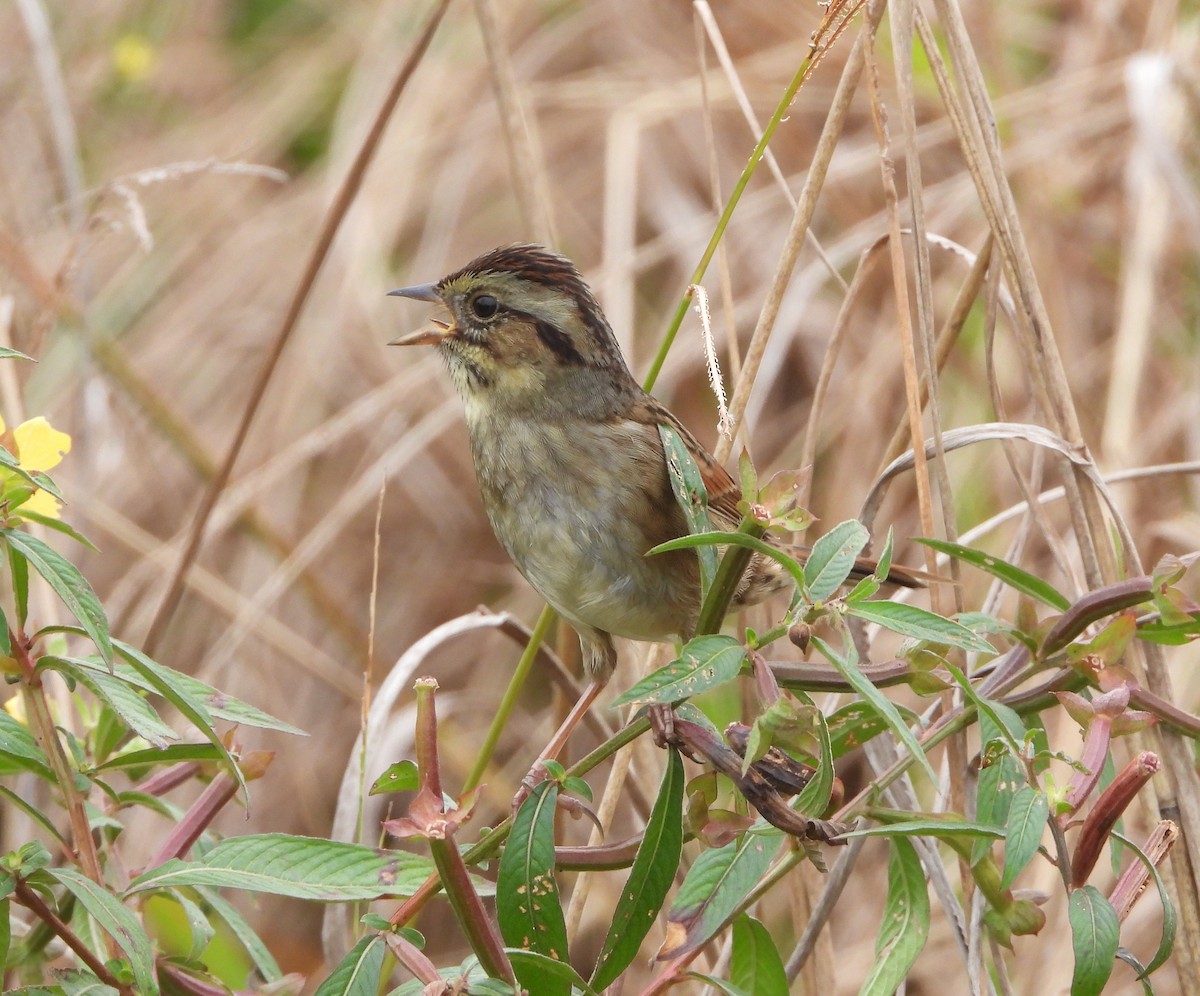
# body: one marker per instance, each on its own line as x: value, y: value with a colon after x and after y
x: 662, y: 725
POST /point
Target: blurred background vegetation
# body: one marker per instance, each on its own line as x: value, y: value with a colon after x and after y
x: 164, y: 171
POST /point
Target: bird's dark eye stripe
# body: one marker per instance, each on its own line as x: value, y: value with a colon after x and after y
x: 557, y: 341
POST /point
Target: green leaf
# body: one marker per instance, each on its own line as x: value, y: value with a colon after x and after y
x: 849, y: 669
x: 58, y: 526
x: 38, y: 815
x: 755, y: 966
x: 704, y: 663
x: 263, y: 960
x: 213, y: 702
x: 18, y: 568
x: 1095, y: 934
x: 942, y: 829
x: 649, y: 879
x: 854, y: 724
x: 919, y: 624
x: 134, y: 711
x: 8, y: 353
x: 5, y: 637
x: 715, y: 886
x: 19, y: 751
x: 300, y: 867
x: 1011, y: 575
x: 720, y: 985
x: 165, y: 682
x: 551, y: 973
x: 832, y: 558
x: 789, y: 564
x: 692, y: 497
x: 118, y: 921
x: 70, y: 586
x: 999, y: 780
x: 814, y: 797
x: 1166, y: 942
x: 154, y: 756
x: 527, y: 899
x: 399, y: 777
x: 202, y: 932
x: 358, y: 973
x: 905, y: 925
x: 1023, y: 833
x: 5, y: 933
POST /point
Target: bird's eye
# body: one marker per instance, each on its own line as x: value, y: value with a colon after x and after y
x: 485, y: 306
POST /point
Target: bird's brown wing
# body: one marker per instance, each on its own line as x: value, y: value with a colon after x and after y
x: 724, y: 493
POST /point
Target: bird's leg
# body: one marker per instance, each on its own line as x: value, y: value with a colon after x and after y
x: 537, y: 773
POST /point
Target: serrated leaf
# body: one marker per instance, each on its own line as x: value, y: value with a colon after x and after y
x: 133, y: 710
x: 1010, y: 574
x: 919, y: 624
x: 704, y: 663
x: 905, y: 925
x: 300, y: 867
x: 850, y: 670
x: 214, y: 703
x: 70, y: 586
x: 714, y: 887
x: 118, y: 921
x: 165, y: 682
x: 358, y: 973
x: 1095, y: 935
x: 755, y: 966
x: 832, y: 558
x: 527, y: 899
x: 1023, y: 833
x: 692, y: 497
x: 649, y: 878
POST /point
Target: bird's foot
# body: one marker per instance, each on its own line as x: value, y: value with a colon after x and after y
x: 662, y: 725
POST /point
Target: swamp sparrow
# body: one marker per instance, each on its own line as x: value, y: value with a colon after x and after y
x: 569, y: 458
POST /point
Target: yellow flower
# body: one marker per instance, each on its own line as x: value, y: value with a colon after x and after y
x: 38, y: 446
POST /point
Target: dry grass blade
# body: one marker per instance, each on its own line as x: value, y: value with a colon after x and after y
x: 333, y: 220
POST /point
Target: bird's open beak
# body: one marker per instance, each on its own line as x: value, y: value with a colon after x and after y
x: 430, y: 335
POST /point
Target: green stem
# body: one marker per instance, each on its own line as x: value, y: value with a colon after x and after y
x: 728, y: 577
x: 515, y: 684
x: 723, y: 222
